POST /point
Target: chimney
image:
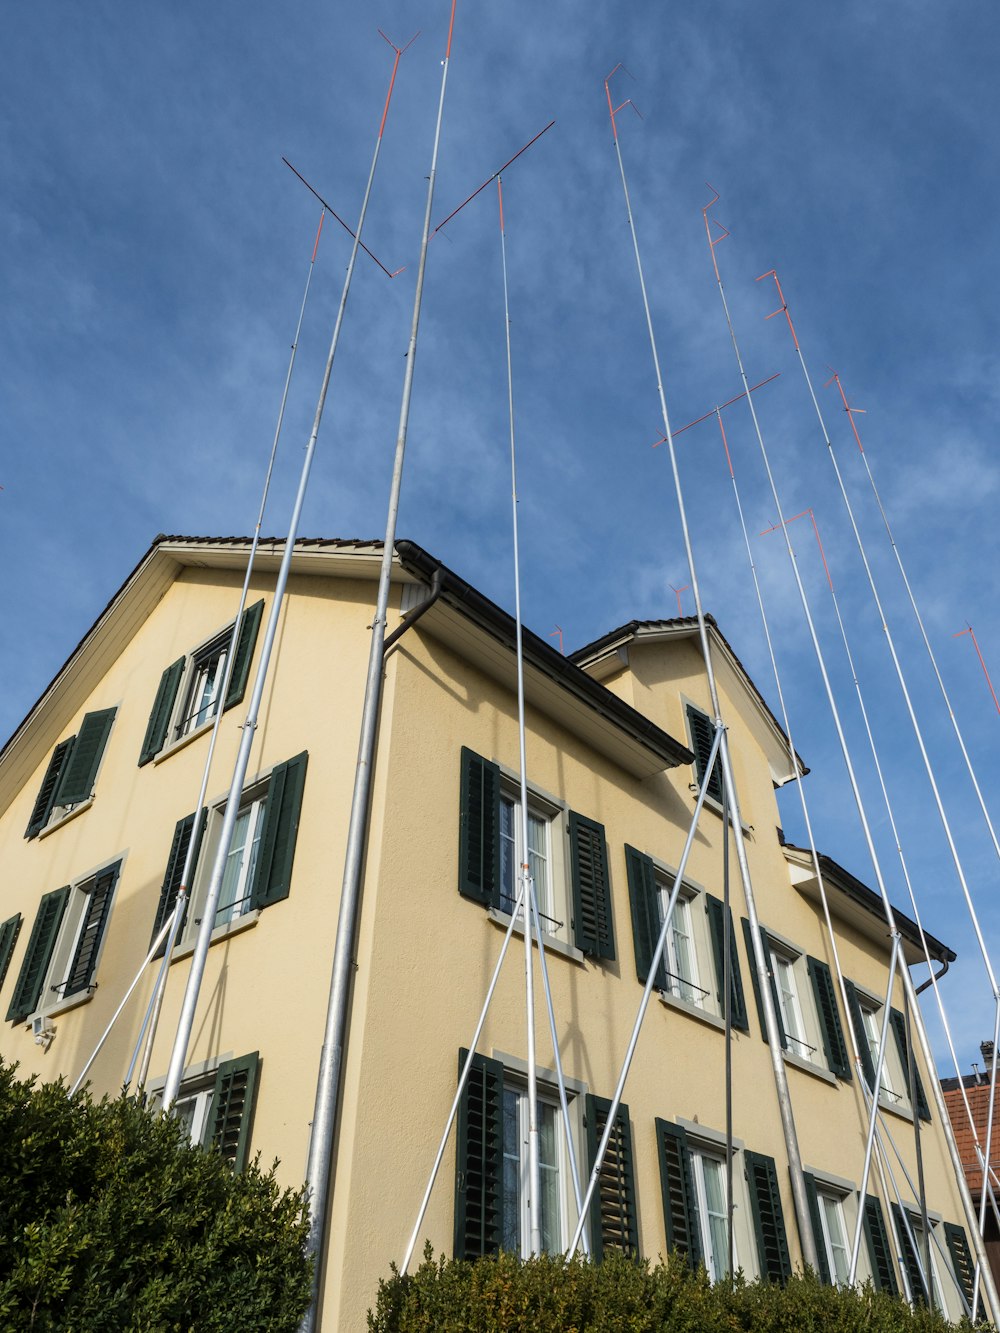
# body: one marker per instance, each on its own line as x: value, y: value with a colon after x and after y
x: 986, y: 1049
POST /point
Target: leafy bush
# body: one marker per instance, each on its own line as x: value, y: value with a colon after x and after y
x: 552, y: 1295
x: 111, y: 1220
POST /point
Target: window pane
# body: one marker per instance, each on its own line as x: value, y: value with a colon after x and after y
x: 548, y: 1160
x: 833, y: 1225
x: 511, y: 1171
x: 508, y: 854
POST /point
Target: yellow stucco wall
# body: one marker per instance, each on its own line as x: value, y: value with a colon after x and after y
x: 424, y: 953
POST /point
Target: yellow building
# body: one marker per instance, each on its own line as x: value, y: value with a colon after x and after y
x: 97, y: 793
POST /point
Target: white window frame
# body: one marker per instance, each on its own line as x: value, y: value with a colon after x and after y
x: 187, y: 719
x: 700, y: 1154
x: 678, y: 983
x: 796, y: 1004
x: 916, y: 1223
x: 254, y: 798
x: 555, y: 904
x: 827, y: 1199
x: 515, y: 1084
x: 893, y: 1092
x: 51, y: 1000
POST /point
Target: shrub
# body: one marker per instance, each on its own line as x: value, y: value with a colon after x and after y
x: 552, y: 1295
x: 111, y: 1220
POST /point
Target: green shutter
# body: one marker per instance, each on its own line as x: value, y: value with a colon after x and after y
x: 643, y: 896
x: 273, y: 875
x: 175, y: 869
x: 593, y: 931
x: 95, y: 919
x: 9, y: 932
x: 40, y: 945
x: 834, y: 1045
x: 751, y: 959
x: 680, y: 1209
x: 479, y: 1160
x: 246, y: 641
x: 231, y: 1115
x: 908, y: 1258
x: 817, y: 1228
x: 961, y: 1260
x: 879, y: 1249
x: 858, y: 1023
x: 163, y: 707
x: 479, y: 830
x: 768, y: 1218
x: 702, y: 735
x: 898, y: 1024
x: 76, y: 782
x: 716, y: 910
x: 44, y: 802
x: 613, y: 1218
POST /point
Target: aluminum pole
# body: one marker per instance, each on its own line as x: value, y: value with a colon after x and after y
x: 178, y: 1056
x: 324, y: 1126
x: 799, y: 1194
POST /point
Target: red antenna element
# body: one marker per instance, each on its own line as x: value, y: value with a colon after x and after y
x: 677, y: 593
x: 729, y: 401
x: 850, y: 412
x: 399, y: 51
x: 612, y: 109
x: 989, y: 682
x: 557, y: 632
x: 709, y: 223
x: 819, y: 541
x: 319, y: 233
x: 491, y: 179
x: 783, y: 308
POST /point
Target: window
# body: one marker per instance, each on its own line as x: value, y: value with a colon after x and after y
x: 701, y: 730
x: 867, y: 1014
x: 691, y: 968
x: 910, y: 1240
x: 805, y: 1003
x: 830, y: 1232
x: 71, y: 772
x: 708, y: 1171
x: 516, y: 1224
x: 696, y: 1206
x: 552, y: 913
x: 259, y: 861
x: 187, y: 696
x: 491, y: 1209
x: 64, y: 947
x: 489, y: 854
x: 217, y: 1108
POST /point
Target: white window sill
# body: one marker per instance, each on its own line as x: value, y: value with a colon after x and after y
x: 180, y: 743
x: 695, y: 1011
x: 710, y: 803
x: 807, y: 1067
x: 65, y: 819
x: 186, y: 948
x: 552, y: 943
x: 59, y: 1006
x: 896, y: 1108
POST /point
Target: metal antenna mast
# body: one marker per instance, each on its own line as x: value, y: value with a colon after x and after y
x: 324, y: 1126
x: 189, y: 1005
x: 869, y: 842
x: 526, y: 899
x: 721, y: 744
x: 172, y: 926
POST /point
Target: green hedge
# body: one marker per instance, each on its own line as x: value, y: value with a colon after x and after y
x: 550, y: 1295
x: 111, y: 1220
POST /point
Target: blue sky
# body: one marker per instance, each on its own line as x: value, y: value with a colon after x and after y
x: 152, y: 254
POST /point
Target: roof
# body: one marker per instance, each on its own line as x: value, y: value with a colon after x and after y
x: 835, y: 876
x: 682, y: 627
x: 623, y: 732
